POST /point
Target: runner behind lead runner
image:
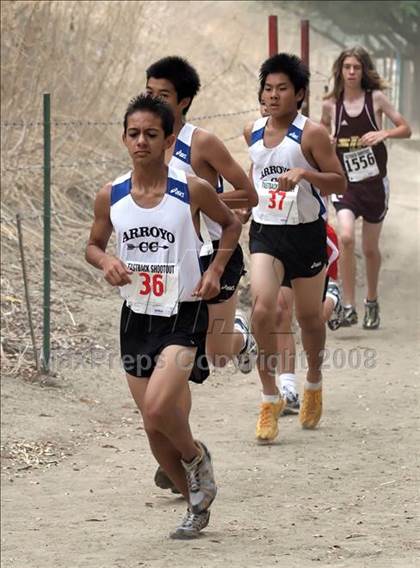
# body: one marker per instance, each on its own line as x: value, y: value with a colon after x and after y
x: 154, y: 211
x: 331, y: 308
x: 293, y: 164
x: 353, y: 111
x: 199, y: 152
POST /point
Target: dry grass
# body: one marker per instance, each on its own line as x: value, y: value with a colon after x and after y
x: 91, y: 57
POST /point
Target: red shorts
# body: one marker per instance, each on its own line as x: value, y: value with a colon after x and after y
x: 332, y: 252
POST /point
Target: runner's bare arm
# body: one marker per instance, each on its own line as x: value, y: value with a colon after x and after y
x: 247, y: 133
x: 219, y: 158
x: 204, y: 198
x: 245, y: 213
x: 328, y: 118
x: 115, y: 271
x: 401, y: 129
x: 326, y: 115
x: 330, y: 178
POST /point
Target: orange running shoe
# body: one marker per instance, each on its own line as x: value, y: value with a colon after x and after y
x: 311, y: 408
x: 267, y: 427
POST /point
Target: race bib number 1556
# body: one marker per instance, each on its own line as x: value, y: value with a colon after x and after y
x: 360, y: 164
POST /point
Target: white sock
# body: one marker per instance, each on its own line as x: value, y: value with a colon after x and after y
x: 286, y: 379
x: 270, y: 397
x: 313, y: 386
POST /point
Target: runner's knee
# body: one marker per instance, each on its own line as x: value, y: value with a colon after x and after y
x: 311, y: 321
x: 263, y: 316
x: 154, y: 417
x: 284, y: 319
x: 370, y: 250
x: 347, y: 240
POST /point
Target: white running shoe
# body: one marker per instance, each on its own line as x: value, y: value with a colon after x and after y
x: 191, y: 525
x: 337, y: 316
x: 202, y: 487
x: 245, y: 360
x: 292, y: 399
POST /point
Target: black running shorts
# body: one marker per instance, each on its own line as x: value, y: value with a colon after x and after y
x: 232, y: 274
x: 143, y: 338
x: 288, y: 284
x: 300, y: 248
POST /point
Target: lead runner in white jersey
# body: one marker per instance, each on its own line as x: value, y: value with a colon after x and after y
x: 293, y: 164
x: 199, y: 152
x: 155, y: 213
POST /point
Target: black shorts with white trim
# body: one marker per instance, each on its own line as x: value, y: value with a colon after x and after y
x: 144, y: 337
x: 233, y: 272
x: 300, y: 248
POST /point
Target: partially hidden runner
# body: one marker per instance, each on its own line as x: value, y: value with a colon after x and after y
x: 332, y: 313
x: 202, y: 153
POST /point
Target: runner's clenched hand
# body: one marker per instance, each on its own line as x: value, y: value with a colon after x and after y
x: 115, y: 271
x: 209, y: 285
x: 243, y: 214
x: 289, y: 179
x: 373, y: 138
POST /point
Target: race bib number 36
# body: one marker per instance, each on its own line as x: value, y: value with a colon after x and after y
x: 153, y: 289
x: 360, y: 164
x: 276, y: 206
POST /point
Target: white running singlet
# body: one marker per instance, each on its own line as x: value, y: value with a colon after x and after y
x: 301, y: 205
x: 181, y: 159
x: 159, y: 244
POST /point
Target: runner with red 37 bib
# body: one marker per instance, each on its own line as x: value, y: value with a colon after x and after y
x: 293, y: 164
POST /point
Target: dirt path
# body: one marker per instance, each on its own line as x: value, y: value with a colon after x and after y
x: 343, y: 495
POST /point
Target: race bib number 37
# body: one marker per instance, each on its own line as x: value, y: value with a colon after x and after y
x: 153, y: 289
x: 276, y: 206
x: 360, y: 164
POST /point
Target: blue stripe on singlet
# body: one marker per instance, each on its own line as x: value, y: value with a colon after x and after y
x: 178, y: 189
x: 257, y: 135
x: 120, y: 190
x: 322, y: 210
x: 182, y: 151
x: 294, y: 133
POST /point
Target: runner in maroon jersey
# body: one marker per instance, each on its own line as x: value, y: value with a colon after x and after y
x: 353, y: 113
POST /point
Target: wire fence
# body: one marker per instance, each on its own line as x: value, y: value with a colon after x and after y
x: 23, y: 221
x: 58, y: 123
x: 82, y: 161
x: 102, y: 163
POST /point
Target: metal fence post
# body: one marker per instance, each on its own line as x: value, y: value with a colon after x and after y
x: 272, y: 36
x: 47, y: 233
x: 304, y: 50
